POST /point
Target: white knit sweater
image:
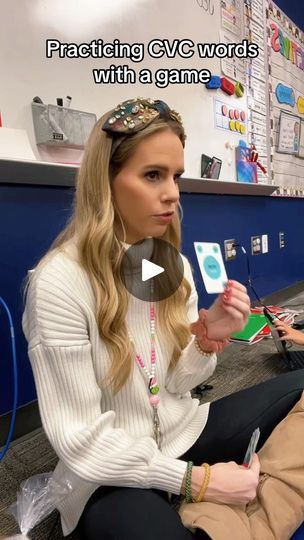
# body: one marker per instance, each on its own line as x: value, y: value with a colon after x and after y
x: 102, y: 439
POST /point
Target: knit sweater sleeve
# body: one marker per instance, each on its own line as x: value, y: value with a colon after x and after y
x: 192, y: 368
x: 84, y: 438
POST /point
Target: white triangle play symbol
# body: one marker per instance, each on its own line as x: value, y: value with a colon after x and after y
x: 150, y: 270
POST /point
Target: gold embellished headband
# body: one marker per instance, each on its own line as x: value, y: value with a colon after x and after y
x: 134, y: 115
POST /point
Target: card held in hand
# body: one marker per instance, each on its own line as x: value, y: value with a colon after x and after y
x: 251, y: 448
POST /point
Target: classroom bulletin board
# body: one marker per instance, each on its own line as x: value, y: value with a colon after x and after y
x: 286, y: 79
x: 172, y: 45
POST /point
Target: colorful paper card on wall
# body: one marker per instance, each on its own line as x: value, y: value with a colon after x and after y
x: 285, y: 94
x: 300, y: 104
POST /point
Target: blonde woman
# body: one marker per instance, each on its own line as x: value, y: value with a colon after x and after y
x: 113, y: 372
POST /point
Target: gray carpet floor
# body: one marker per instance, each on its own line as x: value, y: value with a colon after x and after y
x: 239, y: 366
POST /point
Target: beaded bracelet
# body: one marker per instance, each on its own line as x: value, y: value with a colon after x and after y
x: 188, y: 482
x: 206, y: 342
x: 200, y: 350
x: 203, y: 489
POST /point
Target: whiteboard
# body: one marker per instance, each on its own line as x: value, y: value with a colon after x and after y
x: 30, y: 73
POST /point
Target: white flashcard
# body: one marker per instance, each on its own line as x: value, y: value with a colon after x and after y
x: 211, y: 265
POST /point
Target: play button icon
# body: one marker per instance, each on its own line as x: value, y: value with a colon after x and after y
x: 152, y: 270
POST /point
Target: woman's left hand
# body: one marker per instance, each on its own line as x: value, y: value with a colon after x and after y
x: 229, y: 313
x: 199, y: 329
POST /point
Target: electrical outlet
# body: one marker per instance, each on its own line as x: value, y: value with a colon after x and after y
x: 281, y: 240
x: 265, y: 243
x: 256, y: 245
x: 230, y: 250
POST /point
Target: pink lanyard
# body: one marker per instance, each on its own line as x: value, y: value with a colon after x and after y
x: 153, y: 386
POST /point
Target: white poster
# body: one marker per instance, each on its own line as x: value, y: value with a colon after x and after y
x: 289, y: 134
x: 234, y: 68
x: 301, y: 145
x: 231, y: 16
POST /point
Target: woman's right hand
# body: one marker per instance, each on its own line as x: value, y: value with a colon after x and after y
x: 229, y: 483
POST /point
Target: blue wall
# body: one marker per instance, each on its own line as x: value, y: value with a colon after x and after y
x: 216, y: 218
x: 31, y: 216
x: 294, y: 10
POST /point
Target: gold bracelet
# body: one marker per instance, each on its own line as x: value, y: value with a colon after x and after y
x: 203, y: 489
x: 200, y: 350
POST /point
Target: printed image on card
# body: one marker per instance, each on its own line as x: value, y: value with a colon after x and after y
x: 211, y: 265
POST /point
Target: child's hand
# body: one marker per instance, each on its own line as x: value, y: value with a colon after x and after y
x: 289, y: 333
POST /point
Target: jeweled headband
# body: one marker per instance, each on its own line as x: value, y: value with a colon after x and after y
x: 134, y: 115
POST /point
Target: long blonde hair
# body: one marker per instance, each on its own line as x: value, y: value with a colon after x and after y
x: 100, y: 252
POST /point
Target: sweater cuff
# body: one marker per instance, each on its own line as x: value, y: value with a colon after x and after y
x: 196, y: 360
x: 166, y: 473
